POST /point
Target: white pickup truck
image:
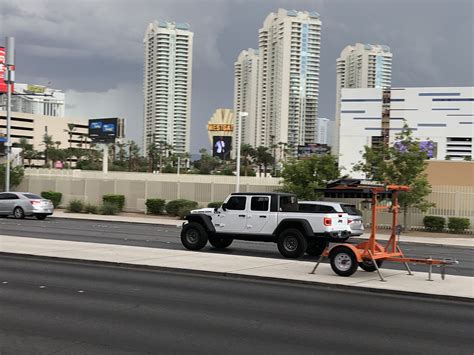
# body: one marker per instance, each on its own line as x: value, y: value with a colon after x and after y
x: 269, y: 217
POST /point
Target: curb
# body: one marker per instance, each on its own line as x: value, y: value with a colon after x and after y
x: 244, y: 277
x: 104, y: 220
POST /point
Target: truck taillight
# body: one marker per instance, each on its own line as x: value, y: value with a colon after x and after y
x: 327, y: 221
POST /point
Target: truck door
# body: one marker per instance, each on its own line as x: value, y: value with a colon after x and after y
x: 233, y: 219
x: 258, y: 215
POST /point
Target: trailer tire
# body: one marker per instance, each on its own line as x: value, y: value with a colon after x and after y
x: 343, y: 261
x: 194, y: 236
x: 316, y: 248
x: 220, y: 242
x: 368, y: 265
x: 292, y: 243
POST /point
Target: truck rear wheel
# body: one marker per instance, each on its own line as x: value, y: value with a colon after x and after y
x: 194, y: 236
x: 220, y: 242
x: 316, y: 248
x: 292, y: 243
x: 343, y: 261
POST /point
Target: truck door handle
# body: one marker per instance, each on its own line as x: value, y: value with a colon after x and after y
x: 241, y: 215
x: 263, y: 216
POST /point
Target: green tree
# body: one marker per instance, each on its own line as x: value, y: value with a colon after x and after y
x: 207, y: 163
x: 25, y: 149
x: 48, y: 143
x: 247, y: 154
x: 263, y: 159
x: 16, y: 176
x: 302, y: 177
x: 403, y: 163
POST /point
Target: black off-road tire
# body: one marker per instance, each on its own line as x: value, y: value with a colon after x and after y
x: 368, y: 265
x: 316, y: 248
x: 193, y: 236
x: 220, y: 242
x: 292, y: 243
x: 18, y: 213
x: 343, y: 261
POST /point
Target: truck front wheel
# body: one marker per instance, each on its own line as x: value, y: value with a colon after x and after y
x: 194, y: 236
x: 292, y: 243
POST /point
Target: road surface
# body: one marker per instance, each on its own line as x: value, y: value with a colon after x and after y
x: 50, y: 307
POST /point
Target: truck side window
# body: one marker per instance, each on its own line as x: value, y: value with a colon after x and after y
x: 236, y: 203
x: 288, y: 204
x: 259, y: 204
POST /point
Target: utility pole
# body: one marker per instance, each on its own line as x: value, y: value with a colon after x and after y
x: 10, y: 79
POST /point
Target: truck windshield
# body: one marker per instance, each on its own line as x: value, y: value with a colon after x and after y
x: 288, y: 204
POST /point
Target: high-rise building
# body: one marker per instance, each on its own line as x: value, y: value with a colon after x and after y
x: 289, y: 48
x: 245, y: 95
x: 322, y: 125
x: 37, y: 100
x: 441, y: 118
x: 167, y: 84
x: 361, y: 66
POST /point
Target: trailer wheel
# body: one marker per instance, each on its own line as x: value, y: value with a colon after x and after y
x: 220, y: 242
x: 292, y: 243
x: 316, y: 248
x: 368, y: 265
x: 343, y: 261
x: 193, y: 236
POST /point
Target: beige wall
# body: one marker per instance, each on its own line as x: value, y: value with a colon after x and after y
x: 454, y: 173
x: 451, y: 201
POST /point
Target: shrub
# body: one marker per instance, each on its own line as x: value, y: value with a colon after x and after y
x: 109, y: 208
x: 75, y: 206
x: 119, y: 200
x: 54, y: 196
x: 184, y: 211
x: 434, y: 223
x: 155, y: 205
x: 214, y: 204
x: 174, y: 206
x: 90, y: 208
x: 458, y: 225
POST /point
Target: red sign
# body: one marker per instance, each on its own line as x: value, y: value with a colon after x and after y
x: 3, y: 69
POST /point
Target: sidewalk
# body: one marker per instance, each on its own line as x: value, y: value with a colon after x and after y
x: 241, y: 266
x: 412, y: 237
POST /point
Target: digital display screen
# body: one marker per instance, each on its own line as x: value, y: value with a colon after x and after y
x: 103, y: 130
x: 221, y: 147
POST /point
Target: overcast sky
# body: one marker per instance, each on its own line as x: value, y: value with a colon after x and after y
x: 93, y: 50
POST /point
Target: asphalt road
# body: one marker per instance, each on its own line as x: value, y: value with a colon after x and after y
x: 154, y: 236
x: 55, y: 307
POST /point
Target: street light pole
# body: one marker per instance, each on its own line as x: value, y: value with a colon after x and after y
x: 239, y: 141
x: 9, y: 63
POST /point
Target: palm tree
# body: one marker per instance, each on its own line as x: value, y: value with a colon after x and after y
x: 247, y: 153
x: 48, y: 143
x: 25, y: 147
x: 30, y: 155
x: 264, y: 158
x: 71, y: 127
x: 152, y: 155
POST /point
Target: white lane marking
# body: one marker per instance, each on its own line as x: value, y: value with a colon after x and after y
x: 42, y: 286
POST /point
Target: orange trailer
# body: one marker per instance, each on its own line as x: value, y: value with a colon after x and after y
x: 369, y: 255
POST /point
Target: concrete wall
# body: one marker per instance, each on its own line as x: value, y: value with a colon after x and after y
x: 90, y: 186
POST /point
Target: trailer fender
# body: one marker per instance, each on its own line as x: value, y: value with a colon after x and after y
x: 353, y: 248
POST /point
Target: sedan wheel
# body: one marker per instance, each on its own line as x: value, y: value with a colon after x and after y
x: 19, y: 213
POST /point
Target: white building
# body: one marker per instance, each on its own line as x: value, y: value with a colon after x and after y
x: 444, y: 115
x: 288, y: 89
x: 167, y: 84
x: 36, y: 100
x: 322, y: 125
x: 361, y: 66
x: 245, y: 95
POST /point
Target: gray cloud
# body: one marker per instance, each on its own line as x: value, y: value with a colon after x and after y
x: 93, y: 49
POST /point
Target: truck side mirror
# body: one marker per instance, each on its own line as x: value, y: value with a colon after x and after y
x: 224, y: 206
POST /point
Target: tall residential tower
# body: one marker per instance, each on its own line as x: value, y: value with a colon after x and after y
x: 245, y: 95
x: 361, y: 66
x: 167, y: 84
x: 288, y: 88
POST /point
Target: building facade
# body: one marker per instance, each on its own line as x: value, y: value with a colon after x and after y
x: 37, y: 100
x: 322, y: 137
x: 288, y: 85
x: 361, y: 66
x: 245, y: 95
x: 167, y: 84
x: 443, y: 115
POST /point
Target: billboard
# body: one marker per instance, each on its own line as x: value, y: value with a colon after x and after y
x: 105, y: 130
x: 3, y: 69
x: 221, y: 147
